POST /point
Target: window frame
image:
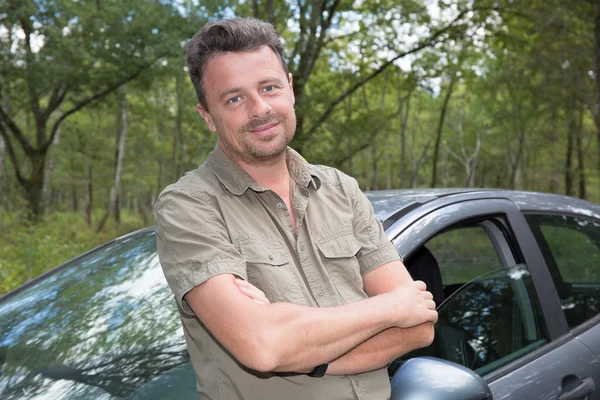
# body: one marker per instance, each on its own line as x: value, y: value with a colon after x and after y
x: 594, y: 321
x: 514, y: 243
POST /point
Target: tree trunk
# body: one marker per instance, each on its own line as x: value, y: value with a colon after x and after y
x: 47, y: 174
x: 270, y: 12
x: 75, y: 202
x: 365, y: 169
x: 350, y: 144
x: 413, y: 158
x: 3, y: 176
x: 406, y: 105
x: 159, y: 186
x: 34, y: 189
x: 115, y: 190
x: 3, y: 190
x: 597, y: 71
x: 375, y: 163
x: 90, y: 196
x: 374, y: 152
x: 440, y: 129
x: 50, y: 166
x: 581, y: 158
x: 554, y: 183
x: 514, y: 175
x: 389, y: 156
x: 178, y: 134
x: 142, y: 210
x: 446, y: 166
x: 569, y: 159
x: 473, y: 163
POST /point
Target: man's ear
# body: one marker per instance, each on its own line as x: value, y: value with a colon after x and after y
x: 207, y: 118
x: 291, y: 88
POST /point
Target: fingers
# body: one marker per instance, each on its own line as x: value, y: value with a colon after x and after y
x: 432, y: 316
x: 427, y: 295
x: 251, y: 291
x: 420, y: 285
x: 255, y: 295
x: 430, y: 304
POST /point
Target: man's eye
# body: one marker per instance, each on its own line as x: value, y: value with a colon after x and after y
x: 234, y: 100
x: 269, y: 88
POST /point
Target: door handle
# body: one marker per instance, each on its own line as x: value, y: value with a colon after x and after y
x: 585, y: 387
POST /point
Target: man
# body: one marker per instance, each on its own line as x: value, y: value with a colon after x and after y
x: 285, y: 281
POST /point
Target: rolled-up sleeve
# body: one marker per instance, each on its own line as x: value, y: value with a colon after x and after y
x: 376, y: 249
x: 193, y: 243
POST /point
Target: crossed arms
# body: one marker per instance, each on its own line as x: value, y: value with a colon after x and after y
x: 397, y: 317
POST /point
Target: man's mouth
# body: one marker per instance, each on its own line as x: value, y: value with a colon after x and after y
x: 264, y: 128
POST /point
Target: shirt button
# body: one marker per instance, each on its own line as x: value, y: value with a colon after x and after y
x: 320, y: 293
x: 270, y: 256
x: 301, y: 248
x: 280, y: 205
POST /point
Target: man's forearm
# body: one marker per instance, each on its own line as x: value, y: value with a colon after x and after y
x: 284, y: 337
x: 304, y: 337
x: 381, y: 349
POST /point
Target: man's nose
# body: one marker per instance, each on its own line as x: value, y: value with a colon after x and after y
x: 258, y: 107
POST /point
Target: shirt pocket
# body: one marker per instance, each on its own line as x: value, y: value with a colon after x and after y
x: 339, y: 257
x: 269, y: 269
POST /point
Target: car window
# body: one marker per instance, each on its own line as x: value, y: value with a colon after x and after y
x: 490, y: 321
x: 103, y: 327
x: 488, y: 312
x: 571, y: 248
x: 463, y: 254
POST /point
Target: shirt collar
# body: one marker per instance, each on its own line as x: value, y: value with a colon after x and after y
x: 237, y: 181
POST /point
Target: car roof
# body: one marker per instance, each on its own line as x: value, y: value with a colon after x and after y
x: 392, y: 204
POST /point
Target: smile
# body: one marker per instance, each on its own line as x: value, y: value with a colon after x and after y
x: 265, y: 129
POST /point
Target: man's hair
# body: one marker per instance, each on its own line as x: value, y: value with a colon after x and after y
x: 230, y: 35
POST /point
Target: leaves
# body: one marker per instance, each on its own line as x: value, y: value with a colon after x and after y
x: 370, y: 79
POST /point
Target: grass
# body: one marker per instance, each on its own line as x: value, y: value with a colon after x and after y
x: 27, y: 250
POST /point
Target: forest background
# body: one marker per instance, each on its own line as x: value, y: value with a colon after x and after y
x: 97, y: 114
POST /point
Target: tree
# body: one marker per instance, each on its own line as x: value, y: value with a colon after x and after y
x: 115, y: 191
x: 70, y: 54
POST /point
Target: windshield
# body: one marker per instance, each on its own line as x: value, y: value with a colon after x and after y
x: 98, y: 329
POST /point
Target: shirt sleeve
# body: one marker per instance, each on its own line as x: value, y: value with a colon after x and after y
x: 193, y: 243
x: 376, y: 249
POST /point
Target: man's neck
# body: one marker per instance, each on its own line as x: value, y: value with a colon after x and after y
x: 273, y: 175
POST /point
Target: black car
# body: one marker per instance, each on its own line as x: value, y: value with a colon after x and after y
x: 516, y: 276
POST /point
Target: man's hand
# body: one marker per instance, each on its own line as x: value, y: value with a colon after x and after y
x: 251, y: 291
x: 412, y: 304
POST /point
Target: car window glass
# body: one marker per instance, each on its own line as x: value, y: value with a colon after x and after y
x: 571, y: 248
x: 490, y: 321
x: 488, y: 313
x: 463, y: 254
x: 101, y: 328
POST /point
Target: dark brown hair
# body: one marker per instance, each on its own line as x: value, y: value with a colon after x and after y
x: 230, y: 35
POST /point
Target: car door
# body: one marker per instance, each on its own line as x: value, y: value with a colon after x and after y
x: 500, y: 315
x: 570, y: 245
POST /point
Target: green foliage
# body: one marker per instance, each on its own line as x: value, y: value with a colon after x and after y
x: 28, y: 250
x: 521, y: 112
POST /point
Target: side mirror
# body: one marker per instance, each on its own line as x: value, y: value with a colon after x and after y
x: 428, y: 378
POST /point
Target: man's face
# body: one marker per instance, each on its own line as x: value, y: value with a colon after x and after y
x: 250, y: 105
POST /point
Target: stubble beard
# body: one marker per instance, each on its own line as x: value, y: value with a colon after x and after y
x: 256, y: 154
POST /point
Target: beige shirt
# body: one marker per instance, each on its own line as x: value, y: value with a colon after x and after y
x: 218, y: 220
